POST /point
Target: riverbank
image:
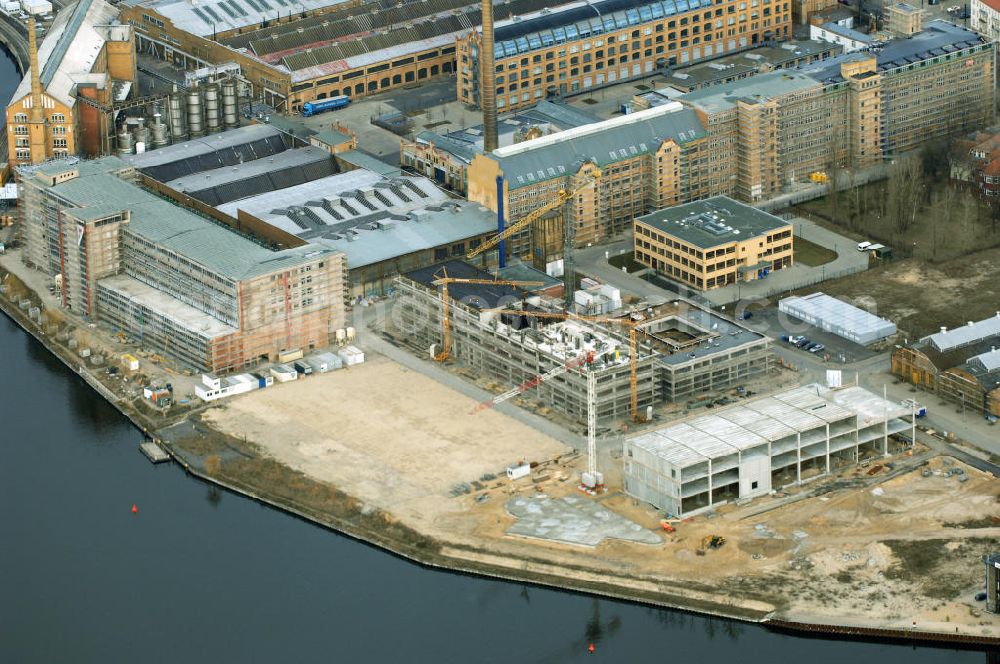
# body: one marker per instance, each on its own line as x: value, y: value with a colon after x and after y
x: 243, y: 467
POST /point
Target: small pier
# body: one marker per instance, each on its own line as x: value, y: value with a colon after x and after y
x: 154, y: 452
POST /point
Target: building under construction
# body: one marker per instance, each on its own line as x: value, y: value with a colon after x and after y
x: 683, y: 351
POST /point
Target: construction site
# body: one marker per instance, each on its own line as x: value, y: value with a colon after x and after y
x: 666, y: 353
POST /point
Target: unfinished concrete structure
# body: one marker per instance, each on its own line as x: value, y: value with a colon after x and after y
x: 683, y: 351
x: 749, y: 449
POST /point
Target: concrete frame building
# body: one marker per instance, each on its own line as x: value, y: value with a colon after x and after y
x: 749, y: 449
x: 182, y: 285
x: 570, y: 49
x: 685, y: 352
x: 85, y: 63
x: 713, y: 243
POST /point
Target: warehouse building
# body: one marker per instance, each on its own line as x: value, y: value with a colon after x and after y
x: 85, y: 64
x: 838, y: 317
x: 578, y: 47
x: 684, y: 351
x: 293, y: 52
x: 758, y: 446
x: 185, y: 287
x: 713, y: 243
x: 384, y: 225
x: 961, y: 365
x: 445, y: 158
x: 640, y: 161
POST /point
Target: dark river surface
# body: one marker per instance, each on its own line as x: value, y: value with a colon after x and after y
x: 200, y: 575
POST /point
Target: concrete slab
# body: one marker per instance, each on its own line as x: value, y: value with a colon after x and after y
x: 572, y: 520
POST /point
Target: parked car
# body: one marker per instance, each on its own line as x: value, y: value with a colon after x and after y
x: 817, y: 348
x: 802, y: 343
x: 809, y: 346
x: 795, y: 339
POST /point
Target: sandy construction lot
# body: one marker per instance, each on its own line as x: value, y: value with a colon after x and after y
x: 389, y: 436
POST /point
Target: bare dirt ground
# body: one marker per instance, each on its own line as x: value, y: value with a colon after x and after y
x: 858, y: 549
x: 399, y: 440
x: 921, y: 297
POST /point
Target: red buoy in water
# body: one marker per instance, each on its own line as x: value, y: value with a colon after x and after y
x: 591, y: 648
x: 135, y: 509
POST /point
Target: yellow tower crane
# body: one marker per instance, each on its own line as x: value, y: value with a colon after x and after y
x: 444, y: 282
x: 561, y: 197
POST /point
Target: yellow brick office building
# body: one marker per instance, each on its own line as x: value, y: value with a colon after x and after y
x: 570, y: 49
x: 713, y: 243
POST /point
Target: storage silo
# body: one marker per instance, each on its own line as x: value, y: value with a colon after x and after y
x: 158, y: 130
x: 213, y: 108
x: 125, y: 144
x: 195, y: 113
x: 230, y: 105
x: 141, y: 132
x: 177, y: 117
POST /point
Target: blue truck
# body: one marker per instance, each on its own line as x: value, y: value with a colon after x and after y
x: 311, y: 108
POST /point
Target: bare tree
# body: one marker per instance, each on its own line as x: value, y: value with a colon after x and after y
x: 905, y: 192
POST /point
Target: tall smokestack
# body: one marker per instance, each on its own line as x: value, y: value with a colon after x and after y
x: 37, y: 112
x: 487, y: 81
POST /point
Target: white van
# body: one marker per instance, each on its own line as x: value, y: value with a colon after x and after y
x: 863, y: 245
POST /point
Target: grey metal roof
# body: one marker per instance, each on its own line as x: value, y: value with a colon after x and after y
x: 718, y: 98
x: 725, y: 335
x: 70, y: 48
x: 937, y: 38
x: 205, y: 18
x: 822, y: 310
x: 605, y: 142
x: 174, y: 228
x: 432, y: 227
x: 713, y: 221
x: 362, y: 159
x: 850, y: 33
x: 462, y: 150
x: 965, y: 335
x: 251, y: 178
x: 988, y: 361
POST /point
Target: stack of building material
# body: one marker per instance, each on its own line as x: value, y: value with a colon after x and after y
x: 351, y: 355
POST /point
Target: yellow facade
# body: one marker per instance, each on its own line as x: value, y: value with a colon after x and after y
x: 716, y: 266
x: 632, y: 52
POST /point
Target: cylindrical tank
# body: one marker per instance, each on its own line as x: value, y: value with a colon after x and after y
x: 159, y: 131
x: 177, y: 117
x: 213, y: 108
x: 141, y: 132
x: 195, y: 113
x: 125, y: 144
x: 230, y: 105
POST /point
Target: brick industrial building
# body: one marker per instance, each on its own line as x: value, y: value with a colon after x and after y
x: 182, y: 285
x: 573, y: 48
x: 961, y: 365
x: 291, y: 53
x: 713, y: 243
x: 747, y: 139
x: 87, y: 55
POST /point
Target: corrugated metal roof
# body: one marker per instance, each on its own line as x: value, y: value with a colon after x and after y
x: 820, y: 309
x: 988, y: 361
x: 205, y: 18
x: 605, y: 142
x: 176, y: 229
x: 965, y: 335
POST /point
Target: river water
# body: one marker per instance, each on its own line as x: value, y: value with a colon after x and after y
x: 200, y: 575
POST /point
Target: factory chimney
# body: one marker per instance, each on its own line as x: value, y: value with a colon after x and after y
x: 487, y: 81
x: 36, y: 122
